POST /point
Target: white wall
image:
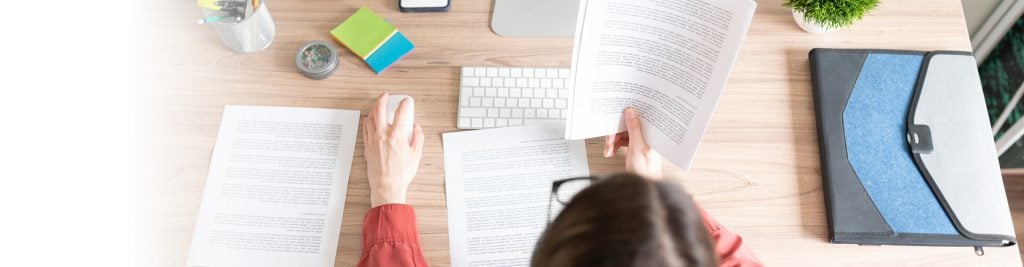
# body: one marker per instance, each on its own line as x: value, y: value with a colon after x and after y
x: 977, y: 11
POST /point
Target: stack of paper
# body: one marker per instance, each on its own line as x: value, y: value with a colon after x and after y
x: 373, y: 39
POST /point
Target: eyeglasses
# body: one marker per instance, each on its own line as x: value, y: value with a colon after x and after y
x: 564, y: 190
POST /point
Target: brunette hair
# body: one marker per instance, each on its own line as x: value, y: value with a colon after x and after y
x: 627, y: 220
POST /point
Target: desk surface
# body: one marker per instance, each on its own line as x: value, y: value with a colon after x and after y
x: 757, y: 168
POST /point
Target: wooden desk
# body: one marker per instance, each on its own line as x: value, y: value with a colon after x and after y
x: 757, y: 169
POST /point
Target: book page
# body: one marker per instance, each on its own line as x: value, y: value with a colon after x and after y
x: 276, y: 188
x: 498, y: 184
x: 669, y: 59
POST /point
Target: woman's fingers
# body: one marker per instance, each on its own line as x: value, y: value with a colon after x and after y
x: 401, y: 124
x: 610, y: 145
x: 636, y: 134
x: 417, y: 139
x: 380, y: 113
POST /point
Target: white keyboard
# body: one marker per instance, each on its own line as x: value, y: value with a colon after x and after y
x: 498, y: 96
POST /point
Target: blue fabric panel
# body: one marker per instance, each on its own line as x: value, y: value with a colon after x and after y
x: 875, y: 121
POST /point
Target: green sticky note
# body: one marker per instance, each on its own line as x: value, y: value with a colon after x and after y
x: 363, y: 32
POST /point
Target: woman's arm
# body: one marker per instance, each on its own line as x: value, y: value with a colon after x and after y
x: 390, y: 237
x: 728, y: 245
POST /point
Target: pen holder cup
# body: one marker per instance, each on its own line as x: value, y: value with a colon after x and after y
x: 251, y: 34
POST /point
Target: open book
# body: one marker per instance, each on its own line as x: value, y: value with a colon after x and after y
x: 669, y: 59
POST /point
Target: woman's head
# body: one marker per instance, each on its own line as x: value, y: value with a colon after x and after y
x: 626, y: 220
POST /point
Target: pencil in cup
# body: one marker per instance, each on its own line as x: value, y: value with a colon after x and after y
x: 244, y: 34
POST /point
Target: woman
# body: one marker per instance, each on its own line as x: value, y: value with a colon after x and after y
x: 630, y: 219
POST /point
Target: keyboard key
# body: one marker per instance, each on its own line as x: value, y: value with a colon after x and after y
x: 523, y: 102
x: 485, y: 82
x: 565, y: 114
x: 511, y: 102
x: 503, y: 72
x: 552, y: 73
x: 479, y: 72
x: 499, y: 102
x: 467, y: 72
x: 517, y: 113
x: 479, y: 91
x: 491, y: 92
x: 564, y: 73
x: 515, y: 122
x: 477, y: 123
x: 527, y: 92
x: 516, y: 92
x: 561, y: 103
x: 529, y: 113
x: 548, y: 103
x: 552, y: 93
x: 528, y: 73
x: 517, y: 72
x: 489, y: 123
x: 541, y: 121
x: 542, y: 113
x: 470, y: 81
x: 502, y: 92
x: 498, y: 82
x: 509, y: 82
x: 534, y: 83
x: 474, y: 101
x: 540, y: 73
x: 505, y: 113
x: 564, y: 93
x: 472, y: 112
x: 521, y: 82
x: 492, y: 72
x: 487, y: 102
x: 558, y: 83
x: 464, y: 122
x: 464, y: 101
x: 492, y: 112
x: 535, y: 103
x: 502, y: 122
x: 554, y: 113
x: 545, y: 83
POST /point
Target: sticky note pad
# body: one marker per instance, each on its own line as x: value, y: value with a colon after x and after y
x: 363, y: 32
x: 394, y: 49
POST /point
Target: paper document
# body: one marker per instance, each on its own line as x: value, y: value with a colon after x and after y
x: 669, y: 59
x: 276, y: 188
x: 498, y: 185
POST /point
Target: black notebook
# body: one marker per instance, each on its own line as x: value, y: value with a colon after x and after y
x: 907, y: 154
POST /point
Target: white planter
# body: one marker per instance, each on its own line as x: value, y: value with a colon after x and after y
x: 810, y: 27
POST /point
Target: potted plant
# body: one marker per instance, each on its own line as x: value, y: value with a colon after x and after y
x: 816, y: 16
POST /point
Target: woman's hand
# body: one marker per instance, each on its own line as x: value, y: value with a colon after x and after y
x: 640, y: 158
x: 392, y: 159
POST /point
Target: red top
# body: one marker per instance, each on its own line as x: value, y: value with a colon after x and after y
x: 390, y: 238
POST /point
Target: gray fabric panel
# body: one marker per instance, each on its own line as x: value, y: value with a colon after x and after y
x: 850, y: 209
x: 963, y: 164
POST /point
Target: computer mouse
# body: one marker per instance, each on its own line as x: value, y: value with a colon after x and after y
x: 393, y: 102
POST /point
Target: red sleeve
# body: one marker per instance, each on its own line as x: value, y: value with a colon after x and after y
x: 390, y: 237
x: 728, y: 245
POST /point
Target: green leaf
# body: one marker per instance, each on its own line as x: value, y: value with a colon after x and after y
x: 832, y: 13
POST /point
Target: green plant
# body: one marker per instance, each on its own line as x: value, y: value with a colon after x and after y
x: 832, y: 13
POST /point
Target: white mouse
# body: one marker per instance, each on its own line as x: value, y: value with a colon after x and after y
x: 393, y: 101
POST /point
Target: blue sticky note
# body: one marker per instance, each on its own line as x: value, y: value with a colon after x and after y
x: 391, y: 51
